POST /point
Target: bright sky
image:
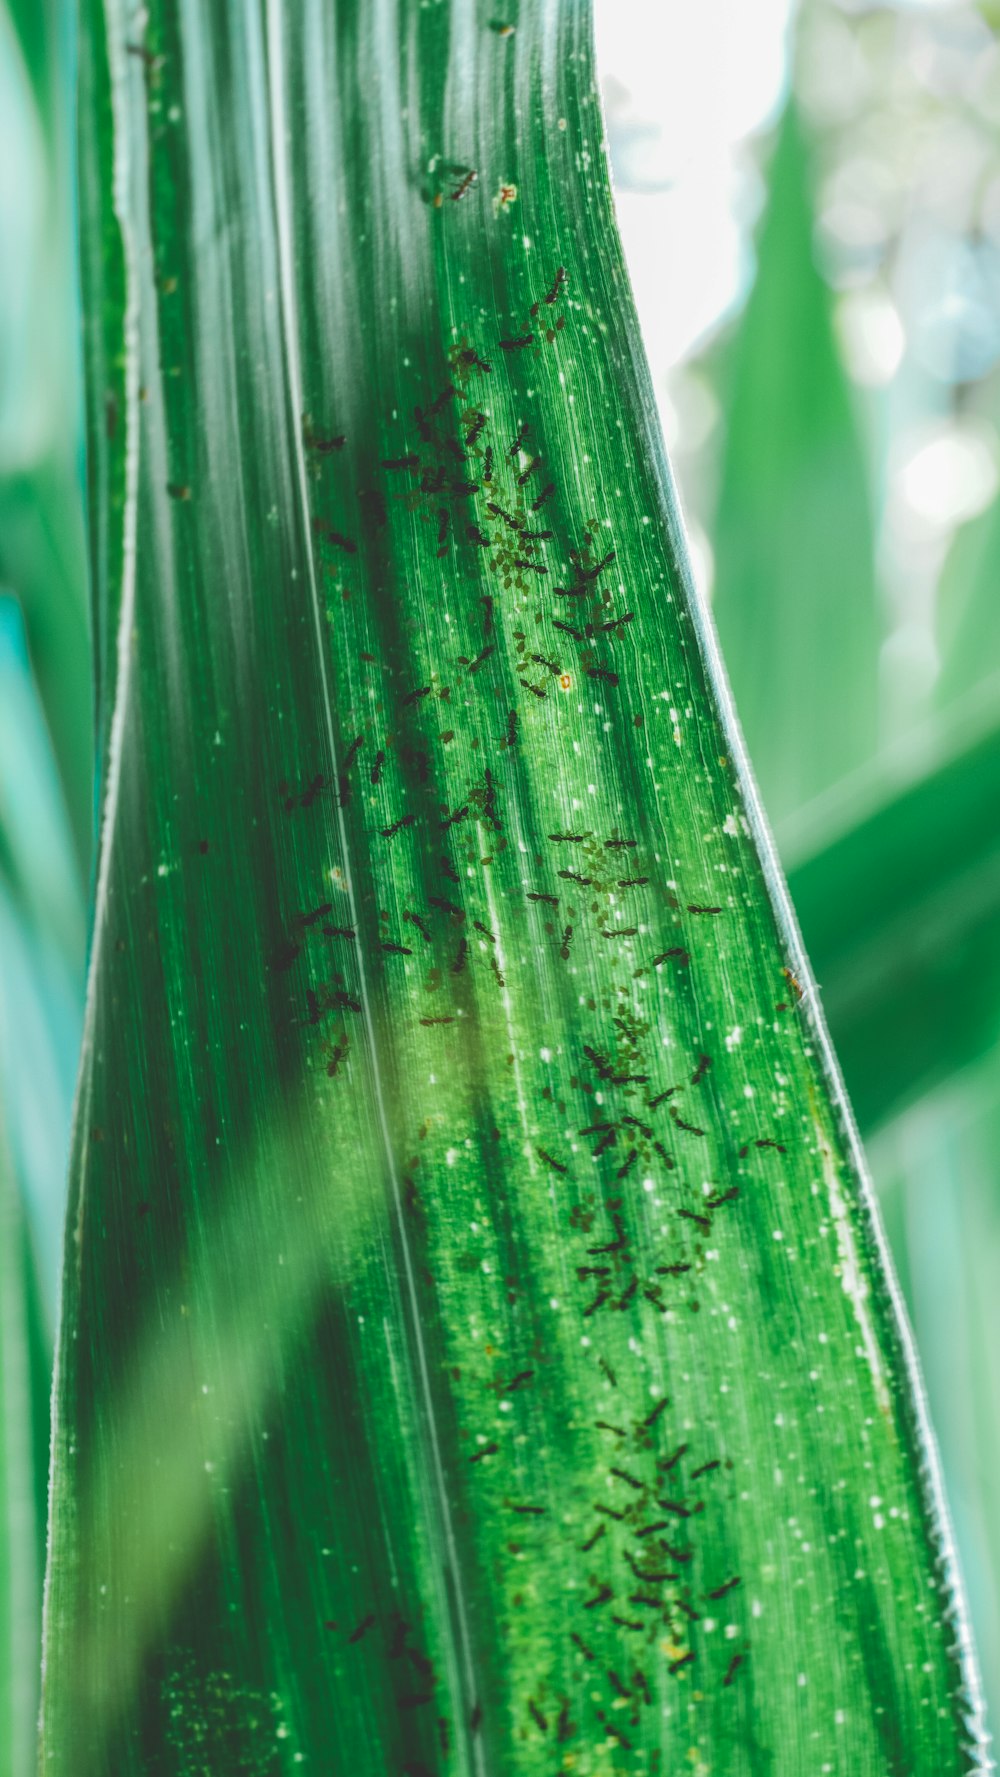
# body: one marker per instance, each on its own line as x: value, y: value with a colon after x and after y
x: 685, y: 83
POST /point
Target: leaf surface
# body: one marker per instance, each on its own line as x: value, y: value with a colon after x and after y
x: 477, y: 1348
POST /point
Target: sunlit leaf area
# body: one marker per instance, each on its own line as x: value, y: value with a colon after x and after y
x: 445, y: 1324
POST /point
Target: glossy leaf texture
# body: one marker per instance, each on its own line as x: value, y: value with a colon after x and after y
x: 904, y: 938
x: 795, y: 597
x: 478, y: 1351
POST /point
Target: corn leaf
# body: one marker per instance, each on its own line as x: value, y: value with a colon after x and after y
x: 24, y: 1376
x: 795, y: 596
x: 478, y: 1350
x: 905, y: 938
x: 937, y: 1167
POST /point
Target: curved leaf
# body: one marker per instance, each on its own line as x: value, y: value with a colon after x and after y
x: 478, y: 1352
x: 901, y: 917
x: 795, y: 597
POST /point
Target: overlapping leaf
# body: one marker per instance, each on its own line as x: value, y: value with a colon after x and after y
x: 904, y: 936
x: 795, y: 595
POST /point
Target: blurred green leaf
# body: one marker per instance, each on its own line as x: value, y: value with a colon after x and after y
x: 41, y: 970
x: 939, y: 1172
x: 42, y: 940
x: 477, y: 1351
x: 42, y: 554
x: 24, y: 1417
x: 969, y: 614
x: 901, y: 918
x: 794, y: 596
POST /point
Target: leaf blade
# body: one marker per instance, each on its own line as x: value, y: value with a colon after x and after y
x: 416, y: 1511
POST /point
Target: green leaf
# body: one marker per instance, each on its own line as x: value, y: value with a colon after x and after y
x: 42, y: 549
x: 477, y: 1348
x: 901, y: 918
x: 795, y: 596
x: 42, y: 938
x: 969, y: 616
x: 41, y: 955
x: 938, y: 1185
x: 24, y: 1400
